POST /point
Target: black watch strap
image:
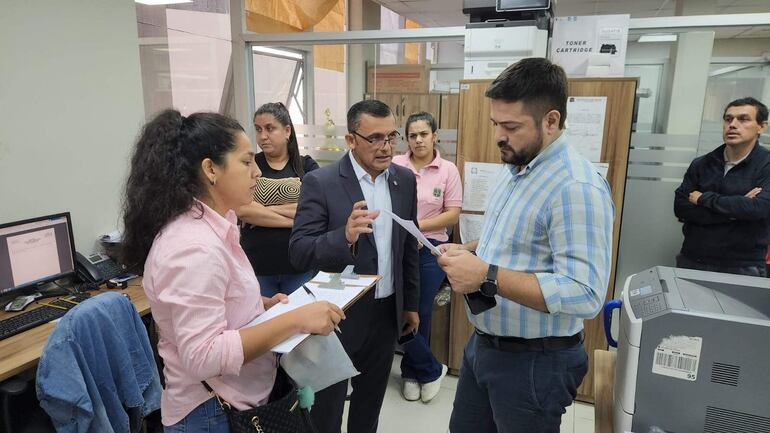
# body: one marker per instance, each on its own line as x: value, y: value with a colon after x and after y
x: 489, y: 285
x: 492, y: 273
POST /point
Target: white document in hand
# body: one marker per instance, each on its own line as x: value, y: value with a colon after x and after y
x: 297, y: 299
x: 413, y: 230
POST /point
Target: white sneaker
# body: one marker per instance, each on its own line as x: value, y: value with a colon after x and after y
x: 431, y: 389
x: 410, y: 390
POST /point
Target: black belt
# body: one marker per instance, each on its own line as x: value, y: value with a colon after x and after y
x: 518, y: 344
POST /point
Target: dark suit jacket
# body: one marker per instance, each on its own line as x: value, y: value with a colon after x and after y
x: 318, y: 237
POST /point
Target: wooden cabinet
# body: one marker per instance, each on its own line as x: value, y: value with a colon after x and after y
x: 450, y: 111
x: 476, y: 143
x: 443, y: 107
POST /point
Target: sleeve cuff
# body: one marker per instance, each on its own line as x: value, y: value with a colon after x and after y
x: 232, y: 353
x: 339, y: 240
x: 549, y: 286
x: 453, y: 203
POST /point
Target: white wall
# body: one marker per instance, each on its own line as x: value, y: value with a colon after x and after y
x: 70, y: 109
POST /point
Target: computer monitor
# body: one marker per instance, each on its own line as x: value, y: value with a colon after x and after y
x: 34, y: 252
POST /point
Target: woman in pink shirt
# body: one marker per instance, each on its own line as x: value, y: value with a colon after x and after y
x: 439, y: 198
x: 187, y: 175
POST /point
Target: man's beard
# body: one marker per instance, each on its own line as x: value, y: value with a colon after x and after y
x: 525, y: 156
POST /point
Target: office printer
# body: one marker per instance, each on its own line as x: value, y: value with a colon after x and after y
x: 693, y: 353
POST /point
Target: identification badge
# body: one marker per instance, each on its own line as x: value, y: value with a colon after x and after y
x: 436, y: 192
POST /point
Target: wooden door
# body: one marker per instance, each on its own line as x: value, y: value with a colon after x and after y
x: 450, y: 112
x: 621, y: 95
x: 394, y: 101
x: 416, y: 102
x: 404, y: 104
x: 476, y: 143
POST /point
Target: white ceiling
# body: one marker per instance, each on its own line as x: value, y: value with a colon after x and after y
x: 442, y: 13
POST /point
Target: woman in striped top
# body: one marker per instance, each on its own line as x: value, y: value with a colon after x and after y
x: 268, y: 219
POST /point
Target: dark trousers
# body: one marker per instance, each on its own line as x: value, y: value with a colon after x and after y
x: 685, y: 262
x: 369, y: 336
x: 515, y: 392
x: 270, y: 285
x: 418, y: 362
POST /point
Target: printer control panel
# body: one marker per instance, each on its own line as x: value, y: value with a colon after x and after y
x: 646, y: 295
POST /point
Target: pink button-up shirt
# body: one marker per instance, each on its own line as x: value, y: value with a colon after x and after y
x: 438, y: 188
x: 202, y: 289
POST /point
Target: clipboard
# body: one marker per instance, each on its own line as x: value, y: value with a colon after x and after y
x: 299, y: 298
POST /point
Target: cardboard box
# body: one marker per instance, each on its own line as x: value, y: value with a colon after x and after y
x: 398, y: 79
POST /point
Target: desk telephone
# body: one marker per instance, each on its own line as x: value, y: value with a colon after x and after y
x: 97, y: 268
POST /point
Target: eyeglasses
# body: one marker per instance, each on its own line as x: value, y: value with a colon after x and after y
x: 379, y: 140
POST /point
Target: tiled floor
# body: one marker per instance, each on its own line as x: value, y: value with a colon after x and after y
x: 401, y: 416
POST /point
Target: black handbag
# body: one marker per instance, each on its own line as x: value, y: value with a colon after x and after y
x: 281, y: 413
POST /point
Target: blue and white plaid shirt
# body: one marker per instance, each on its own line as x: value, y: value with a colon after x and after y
x: 553, y: 219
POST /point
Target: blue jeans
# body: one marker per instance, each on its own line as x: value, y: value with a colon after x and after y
x: 269, y: 285
x: 418, y: 362
x: 206, y: 418
x: 515, y: 392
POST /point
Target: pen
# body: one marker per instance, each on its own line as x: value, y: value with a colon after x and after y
x: 336, y: 327
x: 51, y: 305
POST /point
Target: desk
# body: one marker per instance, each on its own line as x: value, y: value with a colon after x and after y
x: 23, y: 351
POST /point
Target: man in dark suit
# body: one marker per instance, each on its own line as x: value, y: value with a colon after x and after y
x: 338, y: 223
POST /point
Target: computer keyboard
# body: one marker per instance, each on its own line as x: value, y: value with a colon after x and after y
x: 30, y: 319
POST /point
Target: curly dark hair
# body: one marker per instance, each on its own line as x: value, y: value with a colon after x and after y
x: 165, y: 175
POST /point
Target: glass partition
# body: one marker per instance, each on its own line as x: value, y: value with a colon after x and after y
x: 185, y: 55
x: 320, y: 82
x: 728, y: 82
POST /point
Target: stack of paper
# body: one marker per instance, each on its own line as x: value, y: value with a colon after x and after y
x: 342, y: 295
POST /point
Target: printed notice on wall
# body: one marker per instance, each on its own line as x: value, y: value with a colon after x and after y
x: 585, y: 125
x: 470, y: 227
x: 590, y: 46
x: 479, y: 177
x: 678, y: 356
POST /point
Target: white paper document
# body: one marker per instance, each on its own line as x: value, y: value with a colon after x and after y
x: 411, y: 228
x: 340, y: 297
x: 470, y: 227
x: 297, y: 299
x: 585, y: 125
x: 478, y: 179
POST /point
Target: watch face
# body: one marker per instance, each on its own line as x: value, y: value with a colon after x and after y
x: 488, y: 288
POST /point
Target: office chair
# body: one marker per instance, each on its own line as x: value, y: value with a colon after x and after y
x: 98, y: 364
x: 14, y: 390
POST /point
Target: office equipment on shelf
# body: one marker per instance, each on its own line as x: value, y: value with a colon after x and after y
x: 692, y: 352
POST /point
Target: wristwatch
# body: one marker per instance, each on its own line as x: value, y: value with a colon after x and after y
x: 489, y: 286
